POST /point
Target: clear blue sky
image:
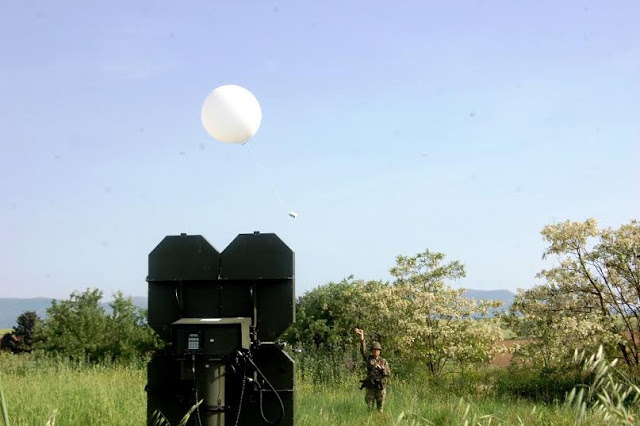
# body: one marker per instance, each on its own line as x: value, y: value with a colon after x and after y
x: 390, y: 127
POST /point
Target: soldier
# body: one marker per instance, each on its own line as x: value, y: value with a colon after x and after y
x: 377, y: 373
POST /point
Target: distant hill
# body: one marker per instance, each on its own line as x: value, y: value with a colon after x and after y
x: 505, y: 296
x: 11, y: 308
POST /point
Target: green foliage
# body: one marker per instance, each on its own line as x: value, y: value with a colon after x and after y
x: 325, y: 316
x: 329, y: 368
x: 417, y: 317
x: 28, y: 322
x: 22, y: 338
x: 543, y: 314
x: 79, y: 328
x: 423, y: 318
x: 425, y: 272
x: 128, y: 331
x: 536, y: 384
x: 610, y: 392
x: 590, y: 297
x: 76, y: 327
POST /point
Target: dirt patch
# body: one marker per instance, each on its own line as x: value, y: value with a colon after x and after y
x: 504, y: 359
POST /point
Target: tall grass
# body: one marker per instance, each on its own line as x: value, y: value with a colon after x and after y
x: 40, y: 389
x: 79, y: 393
x: 3, y: 404
x: 609, y: 392
x: 414, y: 404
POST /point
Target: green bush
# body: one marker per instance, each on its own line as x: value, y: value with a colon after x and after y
x: 79, y: 328
x: 537, y: 384
x: 328, y: 367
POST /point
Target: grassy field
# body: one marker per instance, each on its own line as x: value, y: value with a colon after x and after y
x: 80, y: 394
x: 112, y: 395
x: 410, y: 405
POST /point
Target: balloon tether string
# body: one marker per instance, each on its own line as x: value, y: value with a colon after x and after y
x: 266, y: 175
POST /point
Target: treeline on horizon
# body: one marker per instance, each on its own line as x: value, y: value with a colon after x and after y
x: 589, y: 300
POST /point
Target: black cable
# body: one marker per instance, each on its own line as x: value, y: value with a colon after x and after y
x: 178, y: 298
x: 244, y: 379
x: 274, y: 391
x: 195, y: 387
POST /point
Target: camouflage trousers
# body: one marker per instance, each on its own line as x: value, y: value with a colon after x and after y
x: 375, y: 396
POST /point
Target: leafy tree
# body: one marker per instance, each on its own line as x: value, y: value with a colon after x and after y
x: 81, y: 329
x: 25, y: 331
x: 21, y: 338
x: 557, y: 323
x: 423, y: 317
x: 591, y: 296
x: 324, y: 329
x: 76, y: 327
x: 327, y: 315
x: 417, y: 317
x: 128, y: 334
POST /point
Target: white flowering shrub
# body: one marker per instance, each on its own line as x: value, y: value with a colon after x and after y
x: 555, y: 327
x: 590, y: 298
x: 418, y: 317
x: 422, y: 318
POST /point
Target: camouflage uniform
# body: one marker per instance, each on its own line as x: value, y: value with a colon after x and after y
x: 376, y: 381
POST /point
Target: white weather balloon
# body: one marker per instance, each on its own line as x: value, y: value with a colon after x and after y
x: 231, y: 114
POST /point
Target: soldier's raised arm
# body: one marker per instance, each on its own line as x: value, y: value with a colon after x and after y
x: 363, y: 350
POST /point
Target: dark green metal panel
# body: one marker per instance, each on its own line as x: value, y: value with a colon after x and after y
x: 236, y: 298
x: 278, y: 368
x: 257, y: 256
x: 267, y: 262
x: 276, y: 365
x: 176, y: 261
x: 183, y: 257
x: 275, y: 302
x: 164, y: 307
x: 201, y: 299
x: 166, y: 392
